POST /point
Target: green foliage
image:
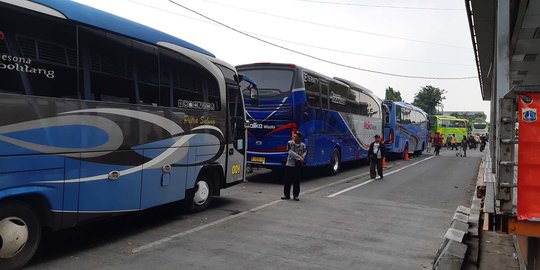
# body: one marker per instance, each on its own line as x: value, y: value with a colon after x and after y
x: 392, y: 95
x: 429, y: 99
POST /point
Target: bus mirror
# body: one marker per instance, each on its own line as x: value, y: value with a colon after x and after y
x: 254, y: 95
x: 253, y: 90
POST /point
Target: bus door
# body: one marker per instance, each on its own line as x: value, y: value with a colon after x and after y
x: 236, y: 134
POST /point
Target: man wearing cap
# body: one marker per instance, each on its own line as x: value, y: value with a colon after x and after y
x: 376, y: 154
x: 295, y: 161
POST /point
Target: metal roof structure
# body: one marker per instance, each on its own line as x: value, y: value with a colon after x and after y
x: 524, y: 44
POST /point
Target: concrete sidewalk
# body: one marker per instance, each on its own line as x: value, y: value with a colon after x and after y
x: 497, y: 251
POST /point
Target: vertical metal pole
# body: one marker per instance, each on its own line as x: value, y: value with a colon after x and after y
x: 493, y: 129
x: 505, y: 159
x: 502, y: 71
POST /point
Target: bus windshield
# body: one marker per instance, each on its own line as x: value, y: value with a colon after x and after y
x: 453, y: 123
x: 272, y: 83
x: 479, y: 125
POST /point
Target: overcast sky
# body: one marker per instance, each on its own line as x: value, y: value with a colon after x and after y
x: 425, y: 38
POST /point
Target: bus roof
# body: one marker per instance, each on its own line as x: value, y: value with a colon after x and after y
x: 406, y: 105
x: 97, y: 18
x: 354, y: 85
x: 449, y: 117
x: 292, y: 66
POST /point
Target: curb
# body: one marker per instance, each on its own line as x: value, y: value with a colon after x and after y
x: 461, y: 243
x: 452, y: 253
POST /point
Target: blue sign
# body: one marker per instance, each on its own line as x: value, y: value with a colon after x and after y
x: 529, y: 115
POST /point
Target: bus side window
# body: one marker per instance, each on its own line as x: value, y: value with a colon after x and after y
x: 189, y: 86
x: 108, y: 72
x: 386, y: 114
x: 311, y: 84
x: 146, y: 79
x: 37, y: 57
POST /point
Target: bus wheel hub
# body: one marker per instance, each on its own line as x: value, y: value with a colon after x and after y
x: 203, y: 191
x: 13, y: 236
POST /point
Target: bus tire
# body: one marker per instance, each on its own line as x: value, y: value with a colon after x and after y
x: 199, y: 197
x: 20, y: 234
x: 335, y: 162
x: 418, y: 153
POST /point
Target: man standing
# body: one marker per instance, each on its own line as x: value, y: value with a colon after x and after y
x: 293, y: 167
x: 454, y: 142
x: 376, y: 154
x: 448, y: 142
x: 437, y: 140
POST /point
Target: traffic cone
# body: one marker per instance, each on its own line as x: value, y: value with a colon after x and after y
x: 406, y: 156
x: 384, y: 163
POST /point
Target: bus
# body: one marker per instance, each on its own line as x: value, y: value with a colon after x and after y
x: 449, y: 125
x: 479, y: 129
x: 101, y: 116
x: 338, y: 118
x: 405, y: 129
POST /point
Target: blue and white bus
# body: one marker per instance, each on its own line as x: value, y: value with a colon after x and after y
x: 100, y: 116
x: 405, y: 128
x: 338, y: 118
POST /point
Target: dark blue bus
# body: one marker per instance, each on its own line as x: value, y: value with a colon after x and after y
x: 338, y: 118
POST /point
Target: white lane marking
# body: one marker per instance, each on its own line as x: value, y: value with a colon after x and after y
x: 350, y: 188
x: 369, y: 181
x: 219, y: 221
x: 178, y: 235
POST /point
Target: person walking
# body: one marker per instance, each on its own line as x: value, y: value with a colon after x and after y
x: 376, y: 154
x: 464, y: 144
x: 448, y: 141
x: 454, y: 142
x: 430, y: 142
x: 293, y: 167
x: 437, y: 140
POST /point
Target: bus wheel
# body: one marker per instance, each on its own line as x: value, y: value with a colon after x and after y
x: 20, y: 234
x: 335, y: 164
x: 198, y: 198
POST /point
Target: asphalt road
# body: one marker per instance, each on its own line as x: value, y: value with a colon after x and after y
x: 341, y: 222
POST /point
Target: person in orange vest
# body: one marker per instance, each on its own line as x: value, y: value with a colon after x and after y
x: 454, y: 142
x: 376, y: 154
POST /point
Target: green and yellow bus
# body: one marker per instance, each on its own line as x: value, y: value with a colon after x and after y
x: 448, y: 125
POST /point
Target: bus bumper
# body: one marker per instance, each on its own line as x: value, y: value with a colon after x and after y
x: 266, y: 160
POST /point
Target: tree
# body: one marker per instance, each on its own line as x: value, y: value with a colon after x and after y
x: 429, y: 99
x: 392, y: 95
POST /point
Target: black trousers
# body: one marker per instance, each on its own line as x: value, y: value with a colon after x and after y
x: 375, y: 164
x: 292, y: 176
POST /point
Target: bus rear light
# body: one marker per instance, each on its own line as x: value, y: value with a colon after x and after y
x: 292, y: 65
